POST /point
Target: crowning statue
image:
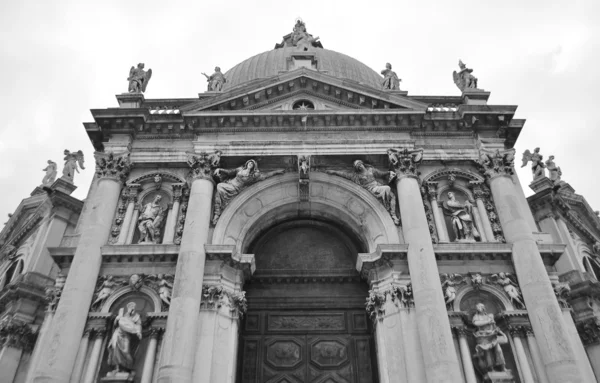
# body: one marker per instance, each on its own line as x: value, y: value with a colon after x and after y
x: 488, y: 338
x: 215, y: 80
x: 365, y: 176
x: 301, y: 38
x: 461, y: 216
x: 71, y: 161
x: 464, y: 79
x: 554, y: 171
x: 138, y: 78
x: 537, y: 166
x: 233, y: 181
x: 124, y: 340
x: 149, y: 221
x: 50, y: 170
x: 390, y: 78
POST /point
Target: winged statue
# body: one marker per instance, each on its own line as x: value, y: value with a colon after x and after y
x: 537, y: 165
x: 163, y: 284
x: 105, y: 286
x: 464, y: 79
x: 138, y: 78
x: 449, y: 285
x: 510, y: 286
x: 71, y: 161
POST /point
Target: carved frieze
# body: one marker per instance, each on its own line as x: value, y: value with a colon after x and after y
x: 450, y: 284
x: 185, y: 196
x: 330, y: 322
x: 214, y: 297
x: 589, y: 331
x: 511, y: 287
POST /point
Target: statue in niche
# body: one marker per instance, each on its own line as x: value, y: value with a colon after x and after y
x: 537, y: 166
x: 150, y: 220
x: 390, y: 78
x: 365, y: 176
x: 51, y: 171
x: 233, y: 181
x: 464, y: 79
x: 449, y: 285
x: 461, y: 216
x: 215, y: 80
x: 124, y: 341
x: 554, y: 172
x: 138, y: 78
x: 71, y: 161
x: 510, y: 286
x: 105, y: 287
x: 488, y: 338
x: 301, y: 38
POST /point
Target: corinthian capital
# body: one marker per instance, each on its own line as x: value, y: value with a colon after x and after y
x: 203, y: 164
x: 405, y: 161
x: 111, y: 165
x: 493, y: 164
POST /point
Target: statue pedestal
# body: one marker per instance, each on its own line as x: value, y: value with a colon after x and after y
x: 130, y: 100
x: 499, y: 377
x: 472, y: 96
x: 118, y: 377
x: 542, y: 183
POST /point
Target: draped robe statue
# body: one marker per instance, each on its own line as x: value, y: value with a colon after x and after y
x: 488, y: 338
x: 124, y: 340
x: 461, y: 216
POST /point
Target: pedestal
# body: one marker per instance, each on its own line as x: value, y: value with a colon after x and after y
x: 499, y: 377
x: 118, y: 377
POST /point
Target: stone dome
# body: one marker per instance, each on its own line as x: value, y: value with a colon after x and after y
x: 274, y: 62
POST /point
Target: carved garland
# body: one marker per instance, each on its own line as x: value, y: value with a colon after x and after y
x: 401, y: 296
x: 185, y: 196
x: 121, y: 209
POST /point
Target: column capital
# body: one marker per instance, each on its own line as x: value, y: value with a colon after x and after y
x: 17, y: 335
x: 494, y: 164
x: 111, y: 165
x: 405, y: 161
x: 431, y: 190
x: 203, y: 164
x: 177, y: 191
x: 131, y: 192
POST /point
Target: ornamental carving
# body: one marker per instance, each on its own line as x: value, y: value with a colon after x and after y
x: 306, y: 322
x: 405, y: 161
x: 54, y: 293
x: 203, y: 164
x: 450, y: 284
x: 112, y: 165
x: 562, y: 290
x: 106, y: 286
x: 511, y: 287
x: 181, y: 216
x: 215, y: 297
x: 128, y: 195
x: 492, y: 164
x: 589, y: 331
x: 374, y: 305
x: 17, y: 335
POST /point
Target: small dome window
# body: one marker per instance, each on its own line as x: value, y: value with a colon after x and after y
x: 303, y: 105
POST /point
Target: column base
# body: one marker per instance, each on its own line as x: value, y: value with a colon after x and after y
x: 499, y: 377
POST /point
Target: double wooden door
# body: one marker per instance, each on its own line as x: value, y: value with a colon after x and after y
x: 314, y: 346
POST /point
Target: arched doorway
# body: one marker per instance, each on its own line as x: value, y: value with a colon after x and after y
x: 306, y: 320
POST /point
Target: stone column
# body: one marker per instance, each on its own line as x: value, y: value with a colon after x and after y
x: 535, y: 356
x: 465, y: 354
x: 546, y: 317
x: 526, y: 375
x: 150, y: 355
x: 172, y: 218
x: 438, y: 217
x: 41, y: 339
x: 439, y: 354
x: 133, y: 224
x: 81, y: 354
x: 132, y: 192
x: 177, y: 357
x: 95, y: 354
x: 486, y: 226
x: 59, y: 353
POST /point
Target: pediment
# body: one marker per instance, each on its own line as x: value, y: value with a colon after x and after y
x: 281, y: 92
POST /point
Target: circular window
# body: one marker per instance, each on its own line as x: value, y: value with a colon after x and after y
x: 303, y: 105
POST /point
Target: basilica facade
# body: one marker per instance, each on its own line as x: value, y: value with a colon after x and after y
x: 303, y: 220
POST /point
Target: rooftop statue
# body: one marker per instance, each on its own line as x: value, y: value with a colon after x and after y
x: 138, y: 78
x: 50, y: 170
x: 537, y: 166
x: 464, y: 79
x: 215, y: 80
x: 554, y: 172
x: 299, y: 38
x: 71, y: 161
x: 390, y: 78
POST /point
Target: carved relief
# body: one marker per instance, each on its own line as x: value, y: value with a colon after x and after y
x: 284, y: 353
x: 492, y: 214
x: 128, y: 195
x: 510, y: 285
x: 562, y: 291
x: 450, y: 284
x: 329, y: 353
x: 111, y: 165
x: 374, y: 305
x: 105, y: 287
x: 17, y: 335
x: 306, y: 322
x: 493, y: 164
x: 215, y: 297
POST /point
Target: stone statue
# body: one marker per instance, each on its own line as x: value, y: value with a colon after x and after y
x: 365, y: 176
x: 164, y: 289
x: 215, y: 80
x: 51, y: 171
x: 53, y: 293
x: 488, y: 338
x: 301, y: 38
x: 106, y: 287
x: 449, y: 285
x: 150, y: 220
x: 562, y: 291
x: 476, y: 281
x: 537, y: 166
x: 464, y: 79
x: 596, y: 248
x: 233, y: 181
x: 461, y: 216
x: 390, y: 78
x: 554, y: 171
x: 71, y: 161
x: 124, y: 341
x: 510, y: 287
x: 138, y: 78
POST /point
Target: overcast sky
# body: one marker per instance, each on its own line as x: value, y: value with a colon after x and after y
x: 59, y: 59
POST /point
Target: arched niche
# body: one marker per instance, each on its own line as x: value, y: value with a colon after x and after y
x: 147, y: 196
x: 145, y: 298
x: 149, y: 177
x: 494, y: 300
x: 453, y: 173
x: 331, y: 199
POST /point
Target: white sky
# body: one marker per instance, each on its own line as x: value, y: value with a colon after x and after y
x: 61, y: 58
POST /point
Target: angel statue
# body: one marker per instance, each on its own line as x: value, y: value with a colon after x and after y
x: 510, y: 286
x: 449, y: 285
x: 461, y: 216
x: 365, y: 176
x: 390, y: 78
x: 164, y: 285
x: 537, y: 166
x: 215, y: 80
x: 554, y: 171
x: 233, y: 181
x: 71, y: 161
x: 150, y: 221
x: 50, y: 173
x: 464, y: 79
x: 138, y: 78
x: 124, y: 342
x: 104, y: 290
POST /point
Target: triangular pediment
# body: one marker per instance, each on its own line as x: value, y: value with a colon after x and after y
x: 281, y: 92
